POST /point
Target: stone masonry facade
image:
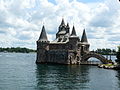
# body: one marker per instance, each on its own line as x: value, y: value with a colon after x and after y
x: 65, y: 49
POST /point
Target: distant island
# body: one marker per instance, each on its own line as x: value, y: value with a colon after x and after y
x: 16, y: 50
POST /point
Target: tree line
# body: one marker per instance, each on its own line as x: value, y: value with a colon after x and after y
x: 106, y: 51
x: 17, y: 49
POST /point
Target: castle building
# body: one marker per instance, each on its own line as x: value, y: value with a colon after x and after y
x: 65, y: 49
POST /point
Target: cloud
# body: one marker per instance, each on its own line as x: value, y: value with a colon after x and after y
x: 21, y: 22
x: 114, y: 38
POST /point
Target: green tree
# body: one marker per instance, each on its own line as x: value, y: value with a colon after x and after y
x: 17, y: 49
x: 106, y: 51
x: 118, y: 55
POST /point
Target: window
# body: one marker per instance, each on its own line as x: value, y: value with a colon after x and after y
x: 64, y: 39
x: 59, y: 40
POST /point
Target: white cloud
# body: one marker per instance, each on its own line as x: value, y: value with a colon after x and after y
x: 21, y: 21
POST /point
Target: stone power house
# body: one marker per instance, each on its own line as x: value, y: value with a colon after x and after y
x: 65, y: 49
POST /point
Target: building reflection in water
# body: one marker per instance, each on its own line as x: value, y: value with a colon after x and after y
x: 62, y: 77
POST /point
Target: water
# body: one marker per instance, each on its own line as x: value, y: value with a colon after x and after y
x: 19, y: 72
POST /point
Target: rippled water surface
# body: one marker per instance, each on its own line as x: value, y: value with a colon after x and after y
x: 19, y: 72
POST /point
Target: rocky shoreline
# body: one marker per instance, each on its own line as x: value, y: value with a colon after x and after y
x: 109, y: 66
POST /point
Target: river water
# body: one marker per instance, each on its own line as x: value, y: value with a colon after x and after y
x: 18, y: 71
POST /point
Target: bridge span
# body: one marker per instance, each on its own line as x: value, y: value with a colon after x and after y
x: 88, y: 55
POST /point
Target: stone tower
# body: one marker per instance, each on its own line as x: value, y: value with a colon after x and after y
x: 74, y: 50
x: 73, y: 39
x: 42, y: 47
x: 62, y: 30
x: 85, y: 44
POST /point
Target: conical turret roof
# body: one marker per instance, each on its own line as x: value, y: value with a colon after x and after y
x: 68, y: 25
x: 67, y: 28
x: 43, y: 36
x: 62, y: 23
x: 73, y: 32
x: 84, y: 37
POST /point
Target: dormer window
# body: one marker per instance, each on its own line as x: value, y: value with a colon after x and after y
x: 59, y: 40
x: 64, y: 40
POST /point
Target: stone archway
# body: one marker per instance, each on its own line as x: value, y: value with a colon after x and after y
x: 95, y: 55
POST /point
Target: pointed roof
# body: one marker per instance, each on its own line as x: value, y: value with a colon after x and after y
x: 84, y: 37
x: 43, y: 36
x: 67, y: 28
x: 62, y: 23
x: 73, y: 32
x: 67, y: 25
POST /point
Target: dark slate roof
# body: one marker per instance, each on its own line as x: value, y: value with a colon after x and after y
x: 43, y: 36
x: 67, y: 25
x: 84, y: 37
x: 67, y: 28
x: 73, y: 32
x: 62, y: 23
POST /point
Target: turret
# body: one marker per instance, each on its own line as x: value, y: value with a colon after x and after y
x: 43, y: 36
x: 73, y: 32
x: 74, y: 48
x: 84, y: 37
x: 67, y: 28
x: 42, y: 46
x: 73, y: 39
x: 61, y: 29
x: 84, y: 43
x: 62, y: 25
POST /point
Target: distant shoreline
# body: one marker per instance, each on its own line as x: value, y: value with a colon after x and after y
x: 27, y: 50
x: 16, y: 50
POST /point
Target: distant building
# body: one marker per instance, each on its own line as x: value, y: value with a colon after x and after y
x: 65, y: 49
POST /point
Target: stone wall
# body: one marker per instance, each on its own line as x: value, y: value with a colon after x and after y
x: 74, y: 57
x: 57, y: 56
x: 58, y: 46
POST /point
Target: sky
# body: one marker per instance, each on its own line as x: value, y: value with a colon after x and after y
x: 21, y: 21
